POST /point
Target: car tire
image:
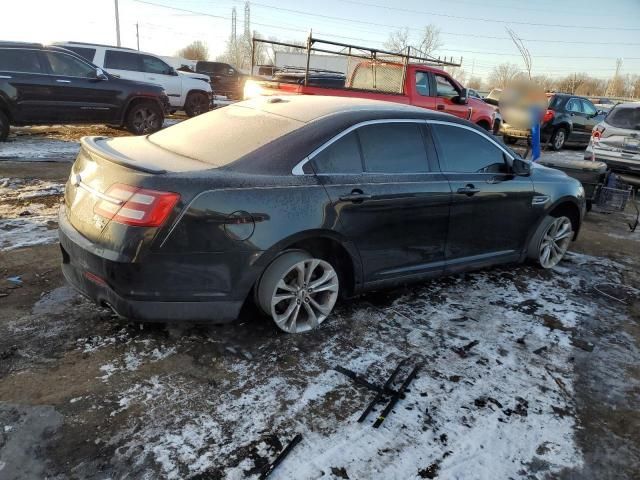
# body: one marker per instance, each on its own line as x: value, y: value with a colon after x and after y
x: 197, y: 103
x: 298, y: 291
x: 510, y: 140
x: 551, y: 241
x: 4, y: 127
x: 558, y: 138
x: 144, y: 118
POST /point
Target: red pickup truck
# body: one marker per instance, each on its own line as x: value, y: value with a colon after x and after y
x: 409, y: 83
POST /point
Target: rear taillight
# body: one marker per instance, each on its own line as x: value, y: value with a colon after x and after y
x: 597, y: 132
x: 139, y: 207
x: 548, y: 115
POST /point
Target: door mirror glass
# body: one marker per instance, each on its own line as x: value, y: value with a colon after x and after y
x: 521, y: 167
x: 100, y: 75
x: 463, y: 97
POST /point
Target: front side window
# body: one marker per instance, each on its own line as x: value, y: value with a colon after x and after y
x: 154, y: 65
x: 445, y: 88
x: 589, y: 108
x: 122, y: 61
x: 465, y: 151
x: 393, y: 148
x: 62, y: 64
x: 422, y: 84
x: 342, y: 156
x: 18, y: 60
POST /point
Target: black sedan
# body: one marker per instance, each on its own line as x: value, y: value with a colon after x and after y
x: 292, y: 202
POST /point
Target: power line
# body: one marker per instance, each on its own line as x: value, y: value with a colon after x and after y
x: 491, y: 20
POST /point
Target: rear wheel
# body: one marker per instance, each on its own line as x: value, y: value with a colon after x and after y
x: 196, y: 104
x: 298, y: 291
x: 558, y: 139
x: 4, y: 127
x: 144, y: 118
x: 551, y: 241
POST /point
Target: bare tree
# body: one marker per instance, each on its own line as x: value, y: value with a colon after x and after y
x: 524, y: 51
x: 475, y: 83
x: 398, y: 41
x: 430, y: 41
x: 238, y: 52
x: 503, y: 74
x: 458, y: 73
x: 197, y: 50
x: 545, y: 82
x: 616, y: 84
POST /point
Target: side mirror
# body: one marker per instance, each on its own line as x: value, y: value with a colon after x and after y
x: 100, y: 75
x: 463, y: 97
x: 521, y: 167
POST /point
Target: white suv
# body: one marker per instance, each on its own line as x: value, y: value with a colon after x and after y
x: 186, y: 92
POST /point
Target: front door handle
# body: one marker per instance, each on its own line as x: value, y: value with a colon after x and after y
x: 63, y: 81
x: 356, y: 196
x: 468, y: 190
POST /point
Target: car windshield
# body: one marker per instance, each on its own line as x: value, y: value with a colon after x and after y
x: 222, y: 136
x: 625, y: 117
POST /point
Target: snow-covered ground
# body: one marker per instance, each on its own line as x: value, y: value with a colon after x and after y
x: 28, y: 212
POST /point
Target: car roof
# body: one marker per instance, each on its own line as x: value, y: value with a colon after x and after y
x: 93, y: 45
x: 307, y: 108
x: 12, y: 44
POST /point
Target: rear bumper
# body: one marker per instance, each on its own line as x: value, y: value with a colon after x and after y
x: 91, y: 274
x: 627, y: 165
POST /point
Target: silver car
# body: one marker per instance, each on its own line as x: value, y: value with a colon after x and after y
x: 616, y: 141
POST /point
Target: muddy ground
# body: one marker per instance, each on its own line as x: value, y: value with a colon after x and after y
x: 524, y: 374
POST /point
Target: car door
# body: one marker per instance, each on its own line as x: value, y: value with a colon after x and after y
x: 592, y: 118
x: 79, y: 96
x: 491, y: 209
x: 387, y: 197
x: 446, y: 93
x: 578, y: 120
x: 26, y: 85
x: 158, y: 72
x: 124, y: 64
x: 424, y: 95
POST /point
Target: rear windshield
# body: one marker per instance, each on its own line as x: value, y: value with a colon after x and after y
x: 224, y: 135
x: 625, y: 117
x: 554, y: 101
x: 385, y: 78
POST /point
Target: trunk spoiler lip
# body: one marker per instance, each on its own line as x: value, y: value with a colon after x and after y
x: 90, y: 144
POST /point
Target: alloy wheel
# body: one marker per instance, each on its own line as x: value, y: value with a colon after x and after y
x: 145, y: 120
x: 304, y: 296
x: 555, y: 242
x: 559, y: 139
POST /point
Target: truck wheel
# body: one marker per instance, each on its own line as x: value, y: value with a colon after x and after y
x: 4, y: 127
x: 144, y: 118
x: 510, y: 140
x: 558, y: 139
x: 485, y: 125
x: 197, y: 103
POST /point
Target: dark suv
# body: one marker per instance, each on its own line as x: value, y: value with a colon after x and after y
x: 568, y: 119
x: 46, y: 85
x: 225, y: 79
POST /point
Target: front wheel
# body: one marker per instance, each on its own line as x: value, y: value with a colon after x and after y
x: 298, y: 291
x: 144, y: 118
x: 196, y: 104
x: 551, y: 241
x: 4, y: 127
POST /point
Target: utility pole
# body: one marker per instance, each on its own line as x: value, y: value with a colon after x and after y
x: 117, y: 23
x: 138, y: 36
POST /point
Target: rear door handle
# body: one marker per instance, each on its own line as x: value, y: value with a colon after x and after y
x: 63, y: 81
x: 468, y: 190
x: 440, y: 107
x: 355, y: 196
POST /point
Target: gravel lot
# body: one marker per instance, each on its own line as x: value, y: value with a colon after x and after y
x: 523, y: 373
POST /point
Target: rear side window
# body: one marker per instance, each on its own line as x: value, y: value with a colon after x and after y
x: 464, y: 151
x: 574, y: 105
x: 86, y: 53
x: 19, y: 60
x: 67, y: 65
x: 624, y: 117
x: 385, y: 78
x: 122, y: 61
x: 445, y: 87
x: 393, y: 148
x: 342, y: 156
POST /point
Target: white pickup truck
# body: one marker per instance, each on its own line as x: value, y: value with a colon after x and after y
x: 188, y: 92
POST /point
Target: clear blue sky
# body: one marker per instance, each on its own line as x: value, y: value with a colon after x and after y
x: 608, y: 29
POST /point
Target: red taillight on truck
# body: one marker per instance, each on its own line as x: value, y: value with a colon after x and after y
x: 597, y: 132
x: 548, y: 115
x: 135, y: 206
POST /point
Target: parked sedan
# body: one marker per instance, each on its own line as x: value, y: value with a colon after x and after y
x: 296, y: 201
x: 568, y: 119
x: 616, y: 141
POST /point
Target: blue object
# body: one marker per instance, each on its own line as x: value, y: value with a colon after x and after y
x: 535, y: 133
